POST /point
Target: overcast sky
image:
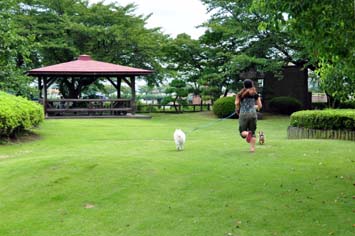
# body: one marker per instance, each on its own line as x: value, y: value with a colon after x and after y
x: 173, y: 16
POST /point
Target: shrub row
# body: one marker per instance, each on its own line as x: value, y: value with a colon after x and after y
x: 330, y: 119
x: 18, y: 114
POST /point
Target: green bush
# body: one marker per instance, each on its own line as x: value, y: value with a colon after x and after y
x: 333, y: 119
x: 348, y: 104
x: 145, y: 108
x: 18, y: 114
x: 224, y: 106
x: 139, y: 106
x: 285, y: 105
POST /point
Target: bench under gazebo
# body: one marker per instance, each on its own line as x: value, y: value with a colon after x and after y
x: 85, y: 71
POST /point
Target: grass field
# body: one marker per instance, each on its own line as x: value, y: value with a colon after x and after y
x: 108, y: 177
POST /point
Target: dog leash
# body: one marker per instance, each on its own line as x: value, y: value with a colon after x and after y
x: 211, y: 123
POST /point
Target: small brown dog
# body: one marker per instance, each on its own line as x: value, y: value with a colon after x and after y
x: 261, y: 137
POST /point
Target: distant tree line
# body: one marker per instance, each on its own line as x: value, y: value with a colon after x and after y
x: 241, y: 35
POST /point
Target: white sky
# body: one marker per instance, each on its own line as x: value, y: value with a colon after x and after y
x: 173, y: 16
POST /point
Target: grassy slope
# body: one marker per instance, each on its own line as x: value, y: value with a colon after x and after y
x: 129, y: 171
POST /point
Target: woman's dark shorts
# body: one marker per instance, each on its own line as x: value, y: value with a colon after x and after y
x: 247, y: 122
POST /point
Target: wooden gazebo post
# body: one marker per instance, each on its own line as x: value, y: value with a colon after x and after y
x: 119, y: 81
x: 133, y: 99
x: 40, y: 87
x: 45, y: 95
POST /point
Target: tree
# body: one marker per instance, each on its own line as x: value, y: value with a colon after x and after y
x: 239, y: 39
x: 177, y: 90
x: 326, y: 30
x: 68, y: 28
x: 15, y: 51
x: 337, y: 84
x: 186, y: 60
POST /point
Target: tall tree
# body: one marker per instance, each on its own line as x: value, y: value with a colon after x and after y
x: 326, y: 29
x: 239, y: 39
x: 15, y: 51
x: 186, y: 60
x: 112, y: 33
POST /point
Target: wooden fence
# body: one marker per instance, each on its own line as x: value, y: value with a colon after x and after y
x: 155, y: 108
x: 55, y: 107
x: 66, y: 107
x: 304, y: 133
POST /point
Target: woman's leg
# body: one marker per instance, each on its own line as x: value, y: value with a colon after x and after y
x: 243, y: 126
x: 247, y: 127
x: 252, y: 144
x: 244, y: 134
x: 253, y: 129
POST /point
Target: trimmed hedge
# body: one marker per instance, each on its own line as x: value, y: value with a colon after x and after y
x: 224, y: 106
x: 330, y: 119
x: 285, y: 105
x: 18, y: 114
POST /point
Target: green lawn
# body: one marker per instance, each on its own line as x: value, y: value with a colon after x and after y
x: 124, y: 177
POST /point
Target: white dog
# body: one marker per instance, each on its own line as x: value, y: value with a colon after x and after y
x: 179, y: 138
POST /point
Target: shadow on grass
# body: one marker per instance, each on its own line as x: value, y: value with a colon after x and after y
x: 20, y: 137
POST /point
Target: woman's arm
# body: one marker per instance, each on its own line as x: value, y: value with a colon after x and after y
x: 259, y: 105
x: 237, y: 104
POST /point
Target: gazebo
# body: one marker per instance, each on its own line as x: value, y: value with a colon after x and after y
x: 86, y: 71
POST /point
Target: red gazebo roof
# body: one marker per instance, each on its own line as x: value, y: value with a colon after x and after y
x: 86, y: 66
